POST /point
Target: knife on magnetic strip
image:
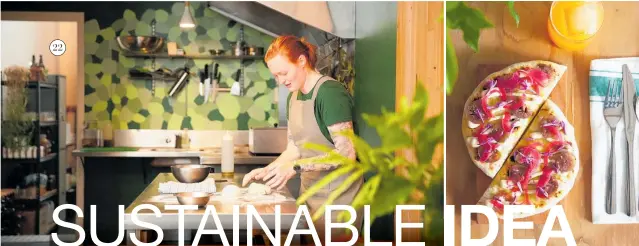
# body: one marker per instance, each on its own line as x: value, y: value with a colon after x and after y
x: 630, y: 121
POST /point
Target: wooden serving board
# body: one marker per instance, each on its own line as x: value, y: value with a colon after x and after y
x: 482, y: 180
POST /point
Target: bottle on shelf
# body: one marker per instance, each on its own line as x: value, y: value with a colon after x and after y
x: 43, y: 70
x: 34, y: 73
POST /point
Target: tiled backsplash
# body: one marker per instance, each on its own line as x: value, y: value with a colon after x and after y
x: 111, y: 97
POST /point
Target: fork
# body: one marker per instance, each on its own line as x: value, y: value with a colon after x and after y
x: 613, y: 109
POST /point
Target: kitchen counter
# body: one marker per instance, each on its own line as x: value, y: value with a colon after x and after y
x: 208, y: 156
x: 224, y: 209
x: 169, y: 220
x: 114, y: 176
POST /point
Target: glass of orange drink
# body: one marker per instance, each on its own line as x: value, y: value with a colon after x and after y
x: 572, y: 25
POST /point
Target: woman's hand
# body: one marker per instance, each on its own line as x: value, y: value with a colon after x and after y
x: 255, y: 174
x: 278, y: 175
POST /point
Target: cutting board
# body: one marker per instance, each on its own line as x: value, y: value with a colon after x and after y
x: 482, y: 180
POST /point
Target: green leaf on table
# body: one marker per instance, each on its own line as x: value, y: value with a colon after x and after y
x: 323, y: 182
x: 452, y: 68
x: 469, y: 20
x: 513, y: 13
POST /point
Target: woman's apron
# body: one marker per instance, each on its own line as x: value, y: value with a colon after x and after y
x: 304, y: 128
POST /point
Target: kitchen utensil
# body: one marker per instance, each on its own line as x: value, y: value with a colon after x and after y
x: 203, y: 78
x: 235, y: 88
x: 214, y: 86
x: 140, y: 44
x: 217, y: 52
x: 613, y: 108
x: 183, y: 77
x: 190, y: 173
x: 255, y: 51
x: 630, y: 122
x: 193, y: 198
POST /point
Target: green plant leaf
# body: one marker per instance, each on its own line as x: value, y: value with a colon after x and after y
x: 323, y: 182
x: 392, y: 191
x: 513, y: 13
x: 394, y: 138
x: 452, y: 68
x: 431, y: 134
x: 318, y: 147
x: 362, y: 148
x: 367, y: 192
x: 469, y: 20
x: 337, y: 192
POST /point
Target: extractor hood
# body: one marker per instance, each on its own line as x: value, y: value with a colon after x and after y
x: 319, y: 22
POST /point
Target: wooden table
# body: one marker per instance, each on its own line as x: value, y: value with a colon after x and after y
x: 224, y: 209
x: 505, y: 44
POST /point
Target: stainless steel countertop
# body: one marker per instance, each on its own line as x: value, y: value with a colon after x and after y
x: 211, y: 156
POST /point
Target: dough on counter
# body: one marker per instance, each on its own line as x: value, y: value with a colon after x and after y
x: 259, y: 189
x: 231, y: 191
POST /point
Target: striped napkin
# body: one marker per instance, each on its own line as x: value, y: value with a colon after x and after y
x: 172, y: 187
x: 602, y: 71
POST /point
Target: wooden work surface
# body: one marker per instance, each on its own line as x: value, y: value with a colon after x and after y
x: 506, y: 44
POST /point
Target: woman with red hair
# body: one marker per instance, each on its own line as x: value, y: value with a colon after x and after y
x: 318, y: 108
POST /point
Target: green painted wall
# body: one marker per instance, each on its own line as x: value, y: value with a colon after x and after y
x: 376, y: 38
x: 111, y: 97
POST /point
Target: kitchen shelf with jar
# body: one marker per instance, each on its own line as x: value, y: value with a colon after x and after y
x: 152, y: 47
x: 36, y: 153
x: 194, y: 56
x: 38, y: 84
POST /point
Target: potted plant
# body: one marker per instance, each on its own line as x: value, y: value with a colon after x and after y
x: 16, y: 126
x: 396, y: 180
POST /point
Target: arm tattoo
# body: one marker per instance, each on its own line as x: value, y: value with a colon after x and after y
x: 343, y: 146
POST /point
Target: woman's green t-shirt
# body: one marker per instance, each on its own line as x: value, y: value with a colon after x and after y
x: 333, y: 105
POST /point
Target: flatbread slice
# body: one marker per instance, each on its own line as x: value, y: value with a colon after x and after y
x: 501, y: 107
x: 542, y: 168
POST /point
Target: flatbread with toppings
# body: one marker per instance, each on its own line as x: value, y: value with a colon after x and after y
x: 541, y: 169
x: 501, y: 108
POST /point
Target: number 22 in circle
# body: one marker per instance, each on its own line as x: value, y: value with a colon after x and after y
x: 57, y: 47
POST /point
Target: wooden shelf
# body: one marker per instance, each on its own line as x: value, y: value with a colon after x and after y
x: 172, y: 79
x: 208, y: 57
x: 36, y: 84
x: 43, y: 197
x: 7, y: 192
x: 48, y: 123
x: 45, y: 158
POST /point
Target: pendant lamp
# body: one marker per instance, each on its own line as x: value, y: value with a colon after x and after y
x: 187, y: 18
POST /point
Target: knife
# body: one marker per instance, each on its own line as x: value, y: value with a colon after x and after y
x: 630, y: 122
x: 203, y: 78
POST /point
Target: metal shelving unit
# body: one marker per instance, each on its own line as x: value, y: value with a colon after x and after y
x: 41, y: 163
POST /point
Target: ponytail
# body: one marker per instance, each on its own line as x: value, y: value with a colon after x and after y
x: 293, y: 47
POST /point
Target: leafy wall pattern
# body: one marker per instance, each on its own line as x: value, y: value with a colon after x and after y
x: 111, y: 97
